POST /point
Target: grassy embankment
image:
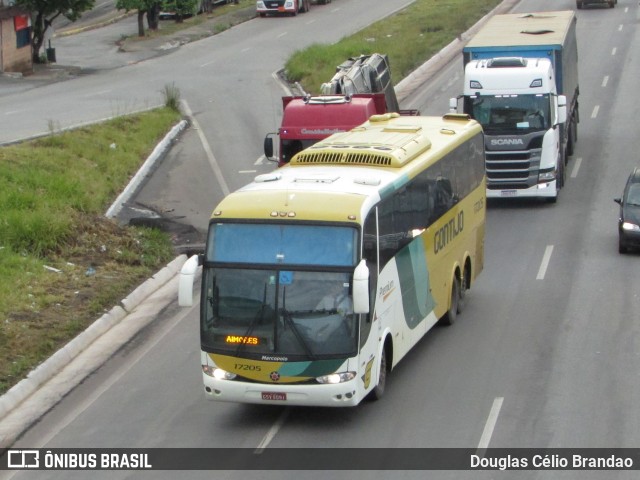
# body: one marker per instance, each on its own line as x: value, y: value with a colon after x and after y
x: 62, y: 263
x: 409, y: 37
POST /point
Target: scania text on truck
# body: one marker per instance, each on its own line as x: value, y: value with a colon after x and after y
x: 521, y: 84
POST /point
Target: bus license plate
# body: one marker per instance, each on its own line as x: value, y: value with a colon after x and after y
x: 508, y: 193
x: 274, y: 396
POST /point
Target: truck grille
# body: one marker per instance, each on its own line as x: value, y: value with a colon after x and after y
x: 511, y: 170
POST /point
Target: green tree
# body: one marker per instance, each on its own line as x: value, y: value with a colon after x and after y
x: 149, y: 7
x: 44, y: 12
x: 181, y: 8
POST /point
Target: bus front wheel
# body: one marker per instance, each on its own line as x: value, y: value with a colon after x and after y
x: 378, y: 390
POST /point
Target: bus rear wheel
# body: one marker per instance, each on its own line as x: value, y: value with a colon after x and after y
x: 454, y: 306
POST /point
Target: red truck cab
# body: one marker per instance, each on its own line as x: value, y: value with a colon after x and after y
x: 307, y: 120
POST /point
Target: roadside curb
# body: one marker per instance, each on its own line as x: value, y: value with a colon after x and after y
x: 42, y: 388
x: 73, y: 30
x: 135, y: 182
x: 32, y: 387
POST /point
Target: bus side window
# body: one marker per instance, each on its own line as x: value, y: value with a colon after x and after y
x: 444, y: 196
x: 370, y: 255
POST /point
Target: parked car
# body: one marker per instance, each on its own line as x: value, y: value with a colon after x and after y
x: 629, y: 219
x: 582, y: 3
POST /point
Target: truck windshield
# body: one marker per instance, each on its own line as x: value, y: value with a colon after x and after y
x: 293, y: 313
x: 510, y: 114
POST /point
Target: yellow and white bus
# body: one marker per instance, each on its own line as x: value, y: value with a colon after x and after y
x: 319, y: 277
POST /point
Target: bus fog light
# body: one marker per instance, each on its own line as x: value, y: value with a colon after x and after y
x: 336, y: 377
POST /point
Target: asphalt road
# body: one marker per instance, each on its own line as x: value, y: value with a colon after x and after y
x: 546, y: 354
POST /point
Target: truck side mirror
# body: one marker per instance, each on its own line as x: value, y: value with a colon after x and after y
x: 186, y: 280
x: 562, y: 108
x: 361, y: 288
x: 453, y: 105
x: 268, y: 146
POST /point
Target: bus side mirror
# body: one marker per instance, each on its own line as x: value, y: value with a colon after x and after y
x: 186, y: 280
x: 361, y: 288
x: 268, y: 146
x: 562, y: 108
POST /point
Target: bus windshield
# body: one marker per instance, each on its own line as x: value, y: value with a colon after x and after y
x: 510, y: 113
x: 291, y: 244
x: 265, y: 294
x: 293, y: 313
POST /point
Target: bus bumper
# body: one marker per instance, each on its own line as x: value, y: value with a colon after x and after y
x: 328, y: 395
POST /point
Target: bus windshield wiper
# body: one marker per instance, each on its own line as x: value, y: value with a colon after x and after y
x: 286, y: 315
x: 257, y: 317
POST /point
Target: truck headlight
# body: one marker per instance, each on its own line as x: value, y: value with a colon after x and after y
x: 546, y: 176
x: 336, y: 377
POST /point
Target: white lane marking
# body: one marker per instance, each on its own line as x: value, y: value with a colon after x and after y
x: 282, y: 35
x: 605, y: 80
x: 95, y: 94
x: 207, y: 148
x: 545, y: 262
x: 247, y: 171
x: 620, y: 28
x: 260, y: 160
x: 245, y: 49
x: 114, y: 378
x: 613, y: 52
x: 594, y: 114
x: 207, y: 64
x: 272, y: 431
x: 274, y: 75
x: 576, y: 167
x: 487, y: 433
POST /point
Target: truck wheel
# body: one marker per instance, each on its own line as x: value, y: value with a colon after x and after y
x: 570, y: 143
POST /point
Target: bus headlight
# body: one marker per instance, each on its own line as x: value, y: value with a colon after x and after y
x: 630, y: 227
x: 217, y: 373
x: 336, y: 377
